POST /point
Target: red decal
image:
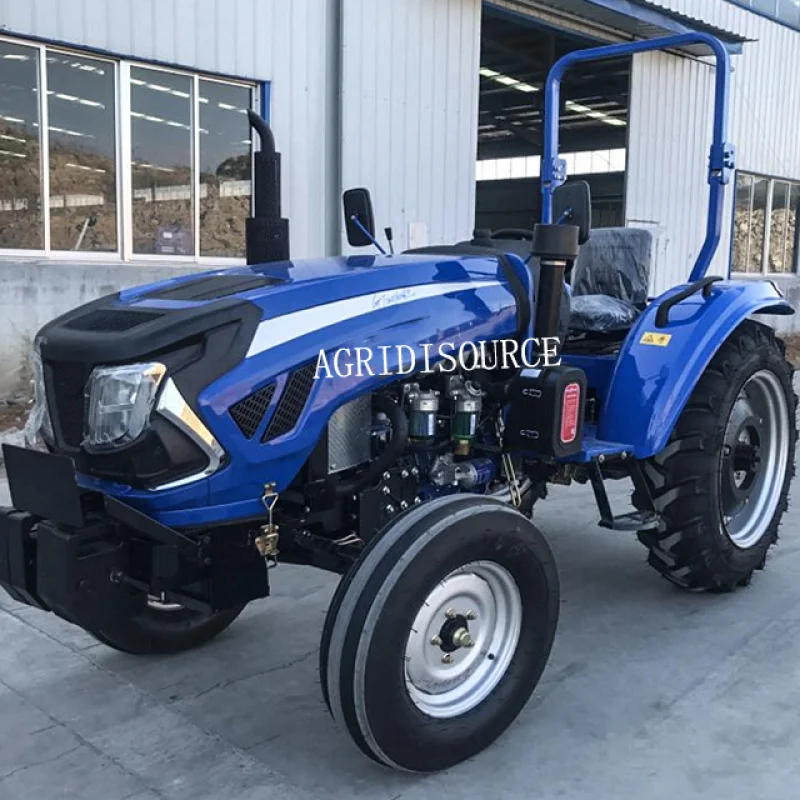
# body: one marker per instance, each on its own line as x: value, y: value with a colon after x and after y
x: 569, y: 412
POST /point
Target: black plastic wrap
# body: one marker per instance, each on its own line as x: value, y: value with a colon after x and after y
x: 615, y: 262
x: 598, y: 313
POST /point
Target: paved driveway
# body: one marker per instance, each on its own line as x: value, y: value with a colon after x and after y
x: 650, y: 693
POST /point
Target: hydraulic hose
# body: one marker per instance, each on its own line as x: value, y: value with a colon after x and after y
x: 396, y: 445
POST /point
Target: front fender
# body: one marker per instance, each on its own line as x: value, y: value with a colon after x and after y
x: 652, y: 382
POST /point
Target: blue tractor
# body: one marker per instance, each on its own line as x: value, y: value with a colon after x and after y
x: 341, y: 413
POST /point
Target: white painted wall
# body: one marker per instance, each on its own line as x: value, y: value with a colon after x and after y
x: 409, y: 113
x: 670, y: 131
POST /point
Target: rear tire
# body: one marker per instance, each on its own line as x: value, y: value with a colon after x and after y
x: 722, y: 483
x: 457, y: 565
x: 158, y: 631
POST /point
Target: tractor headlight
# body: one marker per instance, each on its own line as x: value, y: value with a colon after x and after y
x: 120, y: 400
x: 39, y: 423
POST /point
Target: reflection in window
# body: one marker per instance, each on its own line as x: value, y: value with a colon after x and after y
x: 225, y: 176
x: 83, y: 173
x: 792, y: 231
x: 765, y: 231
x: 758, y: 220
x: 778, y: 228
x: 161, y: 162
x: 20, y: 174
x: 741, y: 225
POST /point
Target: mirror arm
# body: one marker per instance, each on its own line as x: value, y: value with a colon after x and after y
x: 357, y: 222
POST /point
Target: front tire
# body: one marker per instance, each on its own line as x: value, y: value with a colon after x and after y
x: 159, y: 629
x: 722, y: 483
x: 438, y: 635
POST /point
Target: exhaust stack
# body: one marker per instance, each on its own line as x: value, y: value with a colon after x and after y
x: 266, y: 233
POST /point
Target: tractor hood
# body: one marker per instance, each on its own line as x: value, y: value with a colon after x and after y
x: 225, y: 334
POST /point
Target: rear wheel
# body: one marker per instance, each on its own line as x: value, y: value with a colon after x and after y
x: 437, y: 636
x: 161, y: 628
x: 722, y: 483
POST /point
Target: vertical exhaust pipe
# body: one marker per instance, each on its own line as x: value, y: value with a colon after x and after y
x: 266, y: 232
x: 556, y: 247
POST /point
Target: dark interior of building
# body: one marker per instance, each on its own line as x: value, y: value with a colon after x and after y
x: 516, y: 56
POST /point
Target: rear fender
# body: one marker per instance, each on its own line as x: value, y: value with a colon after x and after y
x: 655, y: 376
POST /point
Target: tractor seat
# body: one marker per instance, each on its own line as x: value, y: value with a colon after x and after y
x: 610, y: 281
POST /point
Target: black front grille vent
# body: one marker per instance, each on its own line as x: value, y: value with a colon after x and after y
x: 110, y: 321
x: 248, y: 413
x: 213, y: 287
x: 293, y: 400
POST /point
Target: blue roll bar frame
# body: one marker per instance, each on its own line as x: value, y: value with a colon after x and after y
x: 721, y: 164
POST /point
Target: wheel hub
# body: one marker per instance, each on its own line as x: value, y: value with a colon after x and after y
x: 463, y: 639
x: 754, y: 459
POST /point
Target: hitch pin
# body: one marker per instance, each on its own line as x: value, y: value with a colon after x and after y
x: 267, y: 542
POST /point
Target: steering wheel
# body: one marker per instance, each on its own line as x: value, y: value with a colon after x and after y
x: 520, y: 234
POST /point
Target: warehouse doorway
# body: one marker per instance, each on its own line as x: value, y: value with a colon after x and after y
x: 516, y: 55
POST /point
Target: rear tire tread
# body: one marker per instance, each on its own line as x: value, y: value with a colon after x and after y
x: 683, y: 550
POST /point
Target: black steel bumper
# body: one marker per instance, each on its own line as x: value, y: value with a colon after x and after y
x: 90, y: 558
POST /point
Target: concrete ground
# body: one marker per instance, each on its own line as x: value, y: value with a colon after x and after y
x: 650, y: 693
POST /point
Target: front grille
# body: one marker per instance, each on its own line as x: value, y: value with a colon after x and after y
x: 67, y: 382
x: 293, y: 401
x: 248, y: 413
x: 111, y: 320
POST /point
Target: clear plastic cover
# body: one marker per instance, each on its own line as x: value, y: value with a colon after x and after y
x: 601, y: 314
x: 615, y: 262
x: 120, y: 400
x: 38, y: 428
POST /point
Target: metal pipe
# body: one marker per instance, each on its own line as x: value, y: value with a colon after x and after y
x: 721, y: 161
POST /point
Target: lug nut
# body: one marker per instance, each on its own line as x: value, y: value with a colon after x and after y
x: 417, y: 501
x: 471, y: 615
x: 450, y: 613
x: 404, y: 473
x: 447, y: 658
x: 403, y: 504
x: 436, y: 641
x: 386, y: 476
x: 389, y: 509
x: 386, y: 490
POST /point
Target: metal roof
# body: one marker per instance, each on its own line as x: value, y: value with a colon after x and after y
x: 638, y: 19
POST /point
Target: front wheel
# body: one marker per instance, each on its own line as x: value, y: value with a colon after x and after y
x: 438, y: 635
x: 161, y: 628
x: 721, y: 484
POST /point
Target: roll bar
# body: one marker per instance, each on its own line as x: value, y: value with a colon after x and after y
x: 722, y: 156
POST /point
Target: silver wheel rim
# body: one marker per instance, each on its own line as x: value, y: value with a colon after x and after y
x: 754, y: 459
x: 160, y: 604
x: 448, y: 672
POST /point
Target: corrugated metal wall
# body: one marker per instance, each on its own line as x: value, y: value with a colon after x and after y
x: 282, y: 41
x: 409, y: 112
x: 670, y: 130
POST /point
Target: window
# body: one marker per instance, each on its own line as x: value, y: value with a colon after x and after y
x: 83, y: 153
x: 225, y: 172
x: 786, y: 11
x: 765, y: 228
x: 20, y: 156
x: 161, y: 162
x: 590, y: 162
x: 132, y: 160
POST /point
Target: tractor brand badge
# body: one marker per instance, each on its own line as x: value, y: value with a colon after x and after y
x: 656, y: 339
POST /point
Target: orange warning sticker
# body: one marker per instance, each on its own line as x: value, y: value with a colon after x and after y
x: 656, y: 339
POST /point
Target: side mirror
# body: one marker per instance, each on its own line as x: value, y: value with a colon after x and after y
x: 572, y: 203
x: 358, y: 204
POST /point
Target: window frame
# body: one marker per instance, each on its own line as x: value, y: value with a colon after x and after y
x: 772, y: 180
x: 122, y: 130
